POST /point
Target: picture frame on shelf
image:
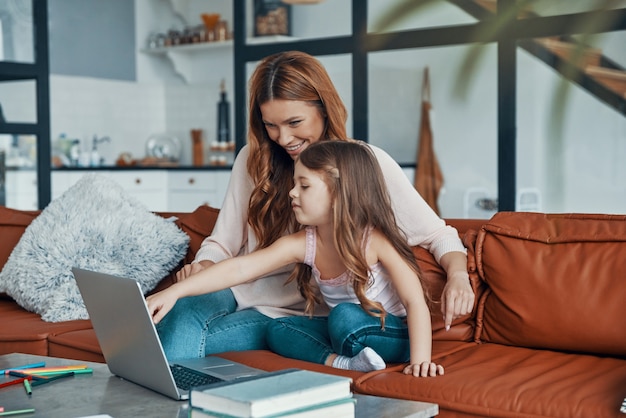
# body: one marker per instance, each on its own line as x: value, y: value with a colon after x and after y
x: 272, y: 17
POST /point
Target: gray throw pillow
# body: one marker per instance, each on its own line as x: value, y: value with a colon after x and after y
x: 94, y: 225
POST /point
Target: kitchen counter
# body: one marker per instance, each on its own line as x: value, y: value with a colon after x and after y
x: 146, y: 167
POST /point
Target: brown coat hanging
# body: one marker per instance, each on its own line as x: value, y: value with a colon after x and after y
x: 428, y: 175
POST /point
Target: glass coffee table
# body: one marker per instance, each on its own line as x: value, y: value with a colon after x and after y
x: 102, y: 393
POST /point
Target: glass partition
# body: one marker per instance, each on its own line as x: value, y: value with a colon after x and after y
x: 276, y: 21
x: 18, y: 101
x: 463, y: 119
x: 18, y: 172
x: 16, y: 31
x: 572, y: 134
x: 419, y: 14
x: 21, y: 124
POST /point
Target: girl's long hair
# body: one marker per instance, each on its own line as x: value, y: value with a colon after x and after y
x: 291, y: 75
x: 361, y: 201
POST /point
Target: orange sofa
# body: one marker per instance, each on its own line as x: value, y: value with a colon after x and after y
x: 546, y: 337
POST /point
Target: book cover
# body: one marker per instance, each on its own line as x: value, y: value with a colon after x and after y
x: 343, y: 408
x: 271, y: 394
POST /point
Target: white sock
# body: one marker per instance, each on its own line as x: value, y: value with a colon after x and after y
x: 366, y: 361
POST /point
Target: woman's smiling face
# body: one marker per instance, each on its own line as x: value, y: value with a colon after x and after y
x: 292, y: 124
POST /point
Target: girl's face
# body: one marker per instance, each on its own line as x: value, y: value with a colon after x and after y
x: 310, y: 198
x: 292, y: 124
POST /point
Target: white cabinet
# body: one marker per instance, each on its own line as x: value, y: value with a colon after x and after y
x: 146, y: 186
x: 159, y: 190
x: 21, y: 189
x: 190, y: 189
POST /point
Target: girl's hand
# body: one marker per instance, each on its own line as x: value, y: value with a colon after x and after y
x: 160, y: 304
x: 424, y: 369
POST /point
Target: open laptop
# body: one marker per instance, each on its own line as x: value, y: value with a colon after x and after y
x: 130, y: 343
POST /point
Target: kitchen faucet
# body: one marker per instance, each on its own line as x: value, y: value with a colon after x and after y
x: 95, y: 159
x: 100, y: 140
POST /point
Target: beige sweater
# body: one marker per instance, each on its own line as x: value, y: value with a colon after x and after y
x: 232, y: 235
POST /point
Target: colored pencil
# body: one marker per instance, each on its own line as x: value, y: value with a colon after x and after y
x: 53, y: 373
x: 29, y: 390
x: 12, y: 382
x: 17, y: 412
x: 50, y: 379
x: 27, y: 376
x: 25, y: 366
x: 36, y: 370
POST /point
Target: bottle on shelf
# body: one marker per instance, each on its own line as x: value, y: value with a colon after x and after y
x: 197, y: 147
x: 222, y: 149
x: 223, y: 116
x: 75, y: 153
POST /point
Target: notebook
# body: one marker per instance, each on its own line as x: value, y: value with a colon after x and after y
x: 130, y: 343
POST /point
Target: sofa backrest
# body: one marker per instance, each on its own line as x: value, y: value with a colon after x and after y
x: 197, y: 225
x: 555, y: 281
x: 13, y: 223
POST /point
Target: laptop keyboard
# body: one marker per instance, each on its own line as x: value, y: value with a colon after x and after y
x: 186, y: 378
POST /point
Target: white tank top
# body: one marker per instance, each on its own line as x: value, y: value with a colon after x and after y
x: 339, y: 289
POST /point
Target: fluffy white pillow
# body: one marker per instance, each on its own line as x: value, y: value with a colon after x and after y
x: 94, y: 225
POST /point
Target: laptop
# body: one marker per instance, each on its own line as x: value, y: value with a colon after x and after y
x: 130, y: 343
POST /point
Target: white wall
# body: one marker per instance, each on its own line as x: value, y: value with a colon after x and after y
x: 127, y: 112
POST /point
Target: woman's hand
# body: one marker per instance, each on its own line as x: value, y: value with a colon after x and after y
x: 457, y: 298
x: 189, y: 269
x: 424, y: 369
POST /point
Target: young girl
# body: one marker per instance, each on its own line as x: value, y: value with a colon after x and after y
x: 361, y: 263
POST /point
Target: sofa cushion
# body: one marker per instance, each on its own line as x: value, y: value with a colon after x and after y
x: 544, y: 272
x: 25, y: 332
x: 94, y: 225
x: 270, y: 361
x: 76, y: 344
x: 492, y: 380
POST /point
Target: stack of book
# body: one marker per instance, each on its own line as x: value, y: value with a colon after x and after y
x: 287, y: 393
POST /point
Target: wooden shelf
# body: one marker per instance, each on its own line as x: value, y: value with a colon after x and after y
x: 208, y: 46
x: 201, y: 46
x: 181, y: 56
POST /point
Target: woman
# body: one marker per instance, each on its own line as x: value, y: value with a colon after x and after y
x: 293, y: 104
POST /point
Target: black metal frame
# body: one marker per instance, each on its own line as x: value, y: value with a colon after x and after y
x: 39, y: 71
x: 360, y: 43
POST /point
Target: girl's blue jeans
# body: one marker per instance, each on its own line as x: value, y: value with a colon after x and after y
x: 207, y: 324
x: 347, y: 330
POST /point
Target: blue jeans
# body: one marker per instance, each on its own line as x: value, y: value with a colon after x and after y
x: 207, y: 324
x: 347, y: 330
